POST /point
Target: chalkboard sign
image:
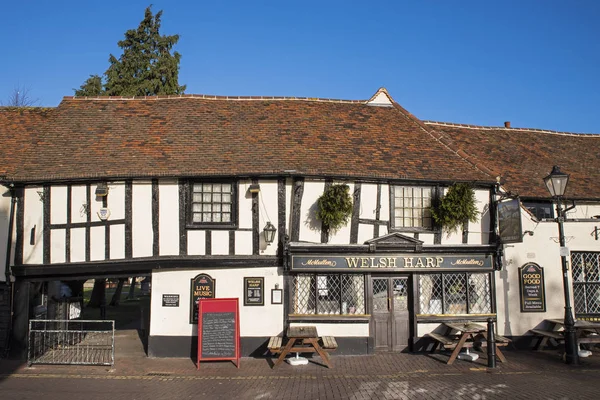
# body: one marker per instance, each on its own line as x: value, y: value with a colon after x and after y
x: 218, y: 330
x: 531, y: 282
x: 254, y: 291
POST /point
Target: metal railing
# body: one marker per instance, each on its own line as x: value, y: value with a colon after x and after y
x: 77, y: 342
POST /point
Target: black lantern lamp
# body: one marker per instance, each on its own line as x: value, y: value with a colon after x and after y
x: 556, y: 183
x: 269, y: 232
x: 102, y: 189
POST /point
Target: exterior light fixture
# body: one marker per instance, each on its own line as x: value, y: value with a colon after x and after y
x: 254, y: 188
x: 269, y: 232
x: 556, y: 183
x: 102, y: 189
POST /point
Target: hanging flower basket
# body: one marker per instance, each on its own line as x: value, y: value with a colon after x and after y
x: 456, y: 207
x: 335, y: 207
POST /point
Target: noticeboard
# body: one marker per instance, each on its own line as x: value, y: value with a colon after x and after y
x: 254, y: 291
x: 201, y: 287
x: 532, y: 293
x: 218, y: 330
x: 170, y: 300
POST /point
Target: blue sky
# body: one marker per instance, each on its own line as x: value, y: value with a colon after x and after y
x: 534, y: 63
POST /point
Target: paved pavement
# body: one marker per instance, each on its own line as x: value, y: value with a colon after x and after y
x: 526, y: 375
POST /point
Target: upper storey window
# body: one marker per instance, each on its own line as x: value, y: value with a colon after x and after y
x: 411, y: 207
x: 213, y: 204
x: 541, y: 210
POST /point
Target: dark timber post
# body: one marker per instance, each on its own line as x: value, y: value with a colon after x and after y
x: 491, y: 344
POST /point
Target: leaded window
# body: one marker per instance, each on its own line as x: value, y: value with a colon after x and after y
x: 455, y: 293
x: 586, y: 282
x: 412, y: 207
x: 213, y: 203
x: 328, y: 294
x: 541, y: 210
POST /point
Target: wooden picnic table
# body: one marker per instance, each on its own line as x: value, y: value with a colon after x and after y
x: 303, y: 339
x: 466, y: 336
x: 585, y: 332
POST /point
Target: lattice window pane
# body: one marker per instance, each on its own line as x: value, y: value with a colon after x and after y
x: 380, y: 294
x: 400, y: 294
x: 480, y: 294
x: 304, y: 294
x: 586, y: 282
x: 455, y: 286
x: 353, y: 294
x: 430, y: 295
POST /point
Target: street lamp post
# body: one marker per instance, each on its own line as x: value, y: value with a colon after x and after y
x: 556, y: 183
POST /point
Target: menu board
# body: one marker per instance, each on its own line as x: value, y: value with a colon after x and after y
x: 254, y: 292
x: 532, y: 293
x: 218, y: 330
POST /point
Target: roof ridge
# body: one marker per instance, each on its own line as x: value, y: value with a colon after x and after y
x: 446, y: 143
x: 503, y: 128
x: 212, y: 97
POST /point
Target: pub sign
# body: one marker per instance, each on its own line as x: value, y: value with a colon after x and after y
x: 509, y: 221
x: 532, y: 293
x: 202, y: 287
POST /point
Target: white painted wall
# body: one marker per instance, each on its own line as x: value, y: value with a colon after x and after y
x: 116, y: 200
x: 220, y: 242
x: 479, y: 232
x: 5, y: 198
x: 196, y: 242
x: 58, y: 240
x: 244, y: 205
x: 97, y: 243
x: 58, y: 205
x: 268, y: 212
x: 339, y: 330
x: 78, y: 245
x: 543, y: 249
x: 259, y: 321
x: 141, y: 219
x: 117, y: 241
x: 310, y: 226
x: 168, y: 221
x: 243, y: 243
x: 342, y: 236
x: 78, y: 201
x: 33, y: 210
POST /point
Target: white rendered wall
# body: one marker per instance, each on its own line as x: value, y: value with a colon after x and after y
x: 5, y: 198
x: 33, y: 253
x: 168, y: 220
x: 117, y: 241
x: 115, y: 200
x: 259, y: 321
x: 78, y: 245
x: 543, y: 249
x: 342, y: 236
x: 337, y: 329
x: 268, y: 212
x: 141, y: 219
x: 479, y: 231
x: 97, y: 243
x: 58, y: 205
x: 310, y: 226
x: 58, y: 241
x: 219, y: 242
x: 78, y: 200
x: 197, y: 243
x: 245, y: 205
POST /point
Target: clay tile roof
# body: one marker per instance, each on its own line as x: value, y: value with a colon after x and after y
x: 523, y: 157
x: 200, y: 135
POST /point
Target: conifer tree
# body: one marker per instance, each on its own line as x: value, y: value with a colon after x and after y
x: 147, y: 67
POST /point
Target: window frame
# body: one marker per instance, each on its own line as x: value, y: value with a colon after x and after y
x: 536, y: 204
x: 445, y: 294
x: 435, y: 195
x: 323, y: 293
x: 584, y: 286
x: 233, y: 224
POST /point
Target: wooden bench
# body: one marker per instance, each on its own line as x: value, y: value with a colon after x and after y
x: 449, y: 342
x: 275, y: 344
x: 544, y: 336
x: 329, y: 343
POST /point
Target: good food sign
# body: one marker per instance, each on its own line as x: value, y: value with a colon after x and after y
x: 531, y: 281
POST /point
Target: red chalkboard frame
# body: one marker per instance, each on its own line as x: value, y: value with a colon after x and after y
x: 219, y: 305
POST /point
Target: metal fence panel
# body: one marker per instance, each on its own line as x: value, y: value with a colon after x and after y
x: 81, y: 342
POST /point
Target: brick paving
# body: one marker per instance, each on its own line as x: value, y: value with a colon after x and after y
x: 527, y: 375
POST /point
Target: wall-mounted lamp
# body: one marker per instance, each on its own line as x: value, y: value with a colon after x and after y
x: 530, y: 233
x: 102, y: 189
x: 277, y: 286
x: 254, y: 188
x: 41, y: 194
x: 269, y: 232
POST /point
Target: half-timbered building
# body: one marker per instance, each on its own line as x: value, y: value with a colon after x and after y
x: 183, y: 188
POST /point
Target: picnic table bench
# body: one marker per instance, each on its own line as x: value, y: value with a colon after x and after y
x: 586, y: 332
x: 302, y: 339
x: 468, y: 335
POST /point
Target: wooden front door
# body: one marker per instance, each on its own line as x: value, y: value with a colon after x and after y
x: 390, y: 316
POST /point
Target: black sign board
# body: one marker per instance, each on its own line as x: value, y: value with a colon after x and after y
x: 254, y: 293
x: 202, y: 287
x: 531, y: 282
x: 218, y: 335
x: 509, y: 221
x: 393, y: 262
x: 170, y: 300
